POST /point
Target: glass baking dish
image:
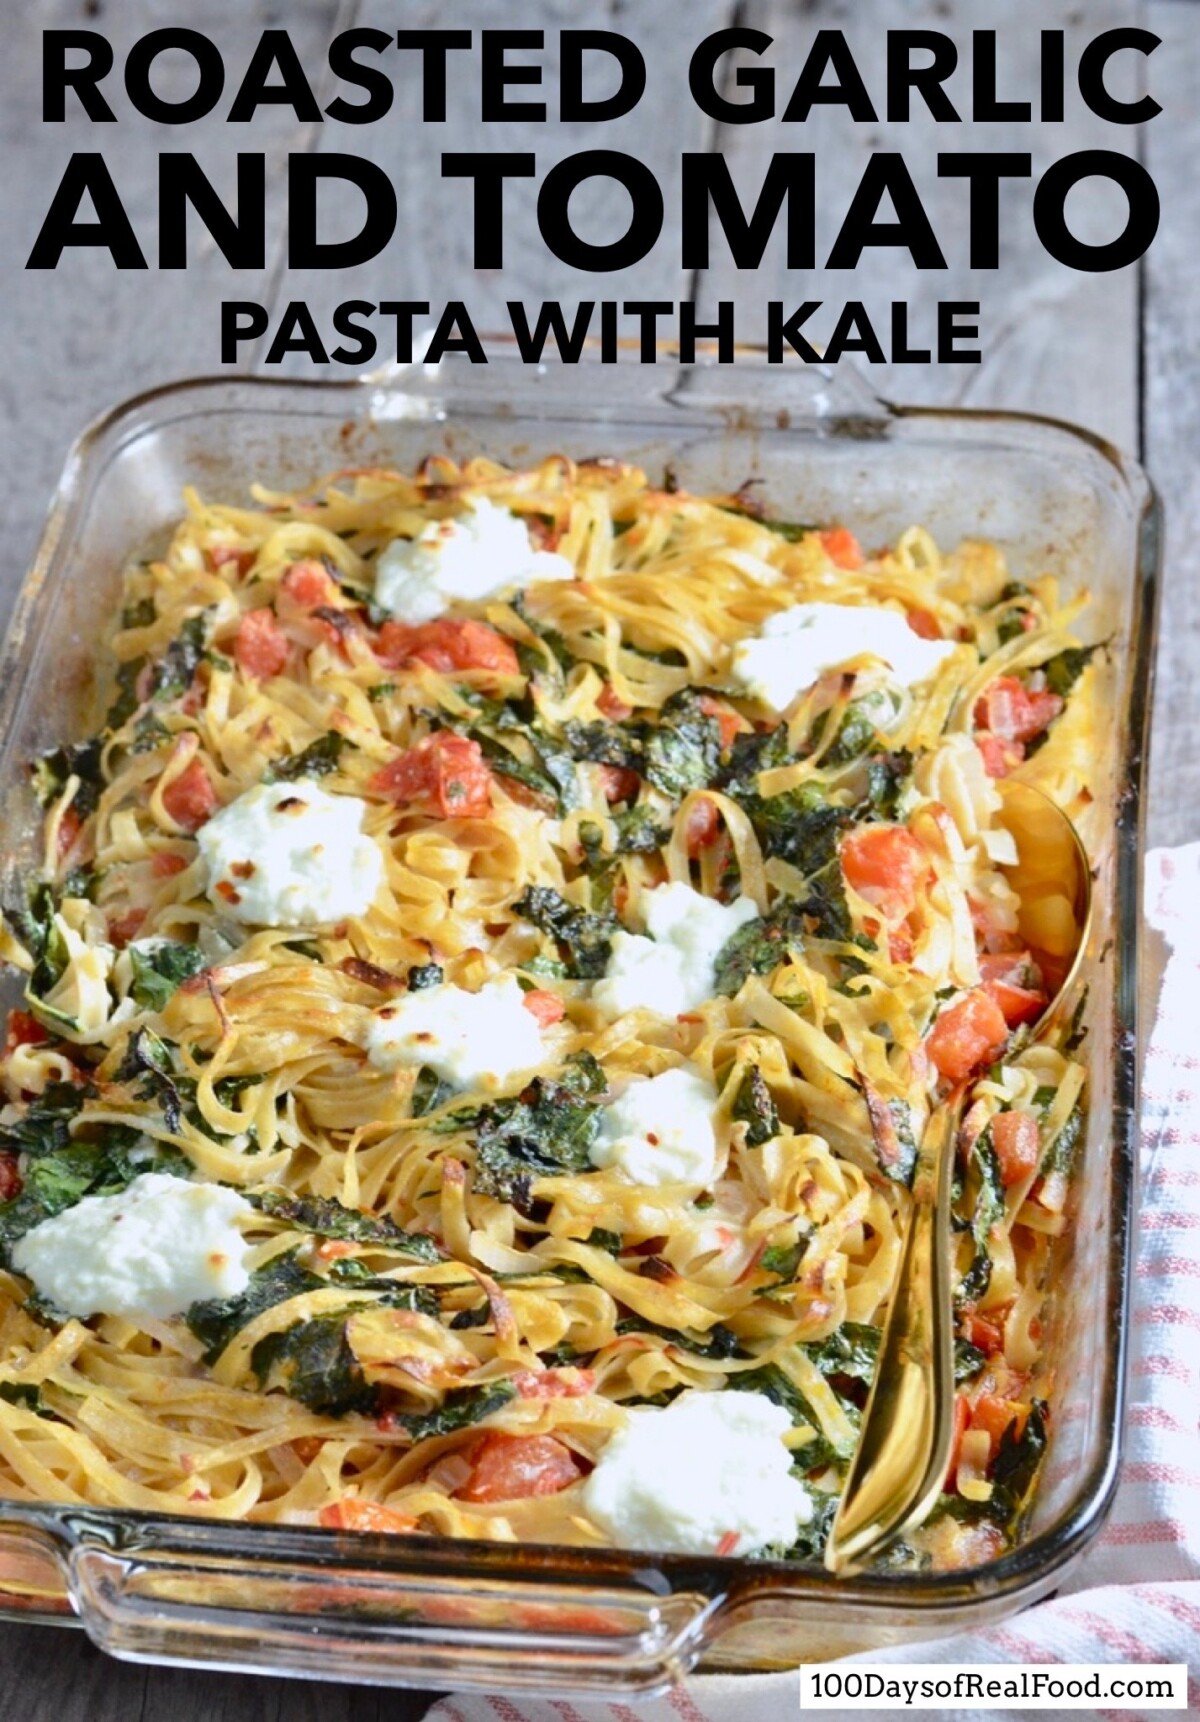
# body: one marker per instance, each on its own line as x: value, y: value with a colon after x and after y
x: 424, y: 1612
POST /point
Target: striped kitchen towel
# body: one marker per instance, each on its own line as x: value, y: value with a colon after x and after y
x: 1135, y: 1597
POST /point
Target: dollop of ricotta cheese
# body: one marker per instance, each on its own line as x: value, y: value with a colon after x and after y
x: 472, y: 1040
x: 795, y: 647
x: 159, y: 1246
x: 660, y: 1130
x: 673, y: 969
x: 291, y: 855
x: 468, y: 558
x: 707, y: 1471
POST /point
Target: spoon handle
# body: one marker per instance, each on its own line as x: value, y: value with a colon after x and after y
x: 904, y: 1444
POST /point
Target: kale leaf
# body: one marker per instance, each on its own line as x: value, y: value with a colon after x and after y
x: 159, y: 969
x: 1016, y: 1463
x: 604, y: 744
x: 215, y: 1321
x: 862, y: 723
x: 461, y: 1407
x: 82, y: 760
x: 29, y: 1397
x: 850, y: 1350
x: 1061, y: 1155
x: 429, y: 1092
x: 61, y: 1168
x: 584, y: 939
x: 328, y: 1218
x: 799, y: 825
x: 887, y: 773
x: 784, y: 1259
x: 318, y: 759
x: 989, y: 1207
x: 148, y: 1061
x: 781, y: 1390
x: 809, y: 1546
x: 718, y: 1344
x: 682, y: 750
x: 313, y: 1362
x: 968, y: 1360
x: 636, y: 833
x: 792, y: 530
x: 761, y: 945
x: 550, y: 771
x: 175, y: 670
x: 754, y: 1106
x: 545, y: 1131
x: 1064, y: 669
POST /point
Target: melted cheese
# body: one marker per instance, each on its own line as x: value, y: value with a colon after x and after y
x: 478, y: 553
x: 795, y: 647
x: 291, y: 855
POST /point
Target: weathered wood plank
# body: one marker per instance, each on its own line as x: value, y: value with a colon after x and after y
x: 86, y: 335
x: 61, y: 1677
x: 1043, y: 326
x: 430, y: 258
x: 1172, y: 417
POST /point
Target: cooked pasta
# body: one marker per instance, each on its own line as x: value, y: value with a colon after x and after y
x: 421, y: 1050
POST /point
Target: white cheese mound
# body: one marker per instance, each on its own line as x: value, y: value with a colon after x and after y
x: 291, y: 855
x: 154, y: 1249
x: 708, y: 1471
x: 672, y: 970
x: 468, y: 558
x: 795, y: 647
x: 473, y: 1040
x: 660, y: 1131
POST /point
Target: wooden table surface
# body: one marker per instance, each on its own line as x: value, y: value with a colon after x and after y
x: 1117, y: 353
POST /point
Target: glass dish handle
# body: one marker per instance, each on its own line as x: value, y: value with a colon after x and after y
x: 429, y: 1623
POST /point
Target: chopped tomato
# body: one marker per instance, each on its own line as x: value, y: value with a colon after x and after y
x: 568, y: 1383
x: 447, y: 645
x: 1017, y: 1143
x: 191, y: 799
x: 222, y: 554
x: 309, y: 584
x: 962, y: 1416
x: 728, y: 721
x: 1008, y: 710
x: 984, y: 1332
x: 165, y: 864
x: 69, y: 827
x: 1013, y: 980
x: 886, y: 865
x: 999, y: 757
x: 261, y: 647
x: 619, y: 782
x: 546, y: 1007
x: 11, y: 1182
x: 124, y: 927
x: 515, y: 1467
x: 703, y: 826
x: 608, y: 704
x: 445, y: 770
x: 353, y: 1514
x: 970, y: 1033
x: 23, y: 1029
x: 995, y: 1415
x: 924, y: 623
x: 900, y: 945
x: 842, y: 547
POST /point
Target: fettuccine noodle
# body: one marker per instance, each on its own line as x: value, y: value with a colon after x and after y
x: 545, y: 1304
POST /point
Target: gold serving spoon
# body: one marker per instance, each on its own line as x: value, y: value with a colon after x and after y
x: 904, y: 1444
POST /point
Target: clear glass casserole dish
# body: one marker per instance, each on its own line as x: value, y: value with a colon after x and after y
x: 424, y: 1612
